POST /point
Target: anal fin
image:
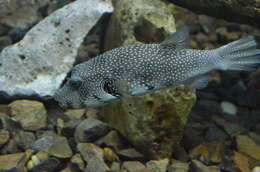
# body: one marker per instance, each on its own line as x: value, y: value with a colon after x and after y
x: 199, y: 82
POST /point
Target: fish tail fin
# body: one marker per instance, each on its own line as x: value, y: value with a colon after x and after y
x: 240, y: 55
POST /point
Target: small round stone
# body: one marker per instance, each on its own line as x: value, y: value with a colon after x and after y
x: 228, y: 108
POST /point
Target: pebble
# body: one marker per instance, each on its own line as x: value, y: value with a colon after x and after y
x: 241, y: 162
x: 77, y: 160
x: 158, y: 164
x: 228, y: 108
x: 60, y: 148
x: 132, y: 166
x: 230, y: 128
x: 113, y: 140
x: 130, y: 154
x: 109, y: 155
x: 93, y: 156
x: 90, y: 130
x: 31, y: 114
x: 54, y: 145
x: 197, y: 166
x: 247, y: 145
x: 256, y: 169
x: 209, y: 153
x: 24, y: 139
x: 75, y: 113
x: 4, y: 136
x: 48, y: 165
x: 178, y: 166
x: 12, y: 162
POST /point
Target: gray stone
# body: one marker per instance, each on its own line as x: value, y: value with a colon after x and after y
x: 132, y: 166
x: 130, y: 154
x: 24, y: 139
x: 178, y: 166
x: 43, y: 143
x: 32, y: 115
x: 229, y: 127
x: 54, y: 145
x: 90, y: 130
x: 38, y: 64
x: 160, y: 164
x: 4, y: 136
x: 93, y: 155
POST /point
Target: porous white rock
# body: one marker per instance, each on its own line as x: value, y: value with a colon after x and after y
x: 38, y: 64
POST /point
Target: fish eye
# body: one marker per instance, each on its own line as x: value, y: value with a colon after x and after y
x: 75, y: 82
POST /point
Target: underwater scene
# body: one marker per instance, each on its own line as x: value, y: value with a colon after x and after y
x: 129, y: 86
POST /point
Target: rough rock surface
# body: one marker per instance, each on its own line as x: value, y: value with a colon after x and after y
x: 93, y: 155
x: 130, y: 23
x: 153, y: 123
x: 12, y: 162
x: 38, y: 63
x: 243, y: 11
x: 32, y: 115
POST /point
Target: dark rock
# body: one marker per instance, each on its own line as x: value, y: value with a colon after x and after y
x: 236, y: 11
x: 214, y: 133
x: 181, y: 155
x: 90, y: 130
x: 230, y: 128
x: 130, y: 154
x: 5, y: 41
x: 112, y: 140
x: 10, y: 147
x: 197, y: 166
x: 4, y: 136
x: 50, y: 164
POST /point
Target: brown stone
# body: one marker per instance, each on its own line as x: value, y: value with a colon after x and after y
x: 248, y: 146
x: 241, y: 162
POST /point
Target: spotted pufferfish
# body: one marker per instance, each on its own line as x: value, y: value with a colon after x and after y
x: 142, y: 68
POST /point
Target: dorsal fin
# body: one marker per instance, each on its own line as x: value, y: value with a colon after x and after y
x: 179, y: 39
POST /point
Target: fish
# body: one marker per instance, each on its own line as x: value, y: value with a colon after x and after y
x: 139, y: 69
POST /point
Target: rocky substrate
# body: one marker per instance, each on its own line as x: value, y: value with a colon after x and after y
x: 222, y: 133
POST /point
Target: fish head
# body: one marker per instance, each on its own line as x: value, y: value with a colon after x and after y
x: 83, y: 90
